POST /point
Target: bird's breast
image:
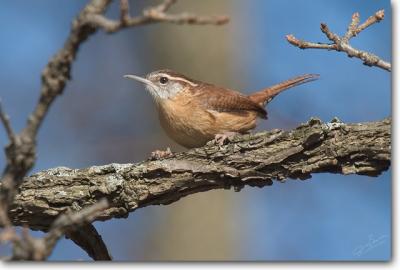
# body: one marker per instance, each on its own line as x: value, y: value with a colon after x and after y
x: 185, y: 123
x: 191, y: 125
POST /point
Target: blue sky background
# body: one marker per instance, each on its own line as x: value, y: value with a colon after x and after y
x: 99, y: 119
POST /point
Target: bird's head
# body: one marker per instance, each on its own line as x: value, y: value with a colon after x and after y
x: 164, y: 84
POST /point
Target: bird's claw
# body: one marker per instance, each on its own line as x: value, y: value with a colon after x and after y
x: 223, y: 138
x: 159, y: 154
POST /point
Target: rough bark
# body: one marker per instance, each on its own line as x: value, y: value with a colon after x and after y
x: 253, y: 160
x: 21, y: 149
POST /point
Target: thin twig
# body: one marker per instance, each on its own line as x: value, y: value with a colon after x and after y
x: 164, y: 6
x: 308, y: 45
x: 341, y: 44
x: 330, y: 35
x: 124, y: 11
x: 6, y: 123
x: 352, y: 28
x: 377, y: 17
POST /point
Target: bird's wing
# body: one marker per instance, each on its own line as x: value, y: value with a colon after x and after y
x: 221, y: 99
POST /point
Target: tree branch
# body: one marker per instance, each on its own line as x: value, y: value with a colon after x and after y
x: 21, y: 150
x: 151, y: 15
x: 341, y: 44
x: 91, y: 241
x: 6, y: 123
x: 29, y: 248
x: 252, y: 160
x: 73, y: 221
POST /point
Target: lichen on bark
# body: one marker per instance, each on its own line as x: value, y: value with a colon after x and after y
x: 249, y: 160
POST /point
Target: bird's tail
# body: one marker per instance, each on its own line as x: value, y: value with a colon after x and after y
x: 264, y: 96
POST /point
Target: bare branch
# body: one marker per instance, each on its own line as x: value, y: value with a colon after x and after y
x: 38, y: 249
x: 331, y: 36
x: 250, y: 160
x: 72, y: 221
x: 352, y: 28
x: 377, y: 17
x: 21, y: 151
x: 6, y: 123
x: 90, y: 240
x: 151, y: 15
x: 124, y: 11
x: 341, y: 44
x: 308, y: 45
x: 28, y: 247
x: 164, y: 6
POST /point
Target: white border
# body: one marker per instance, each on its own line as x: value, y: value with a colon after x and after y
x: 330, y: 265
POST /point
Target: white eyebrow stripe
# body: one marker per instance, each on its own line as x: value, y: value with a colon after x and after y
x: 183, y: 80
x: 179, y: 79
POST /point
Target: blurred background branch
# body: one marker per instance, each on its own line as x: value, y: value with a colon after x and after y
x: 341, y: 44
x: 21, y: 150
x: 155, y: 14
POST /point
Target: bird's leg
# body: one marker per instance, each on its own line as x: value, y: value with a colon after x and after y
x: 158, y: 154
x: 222, y: 138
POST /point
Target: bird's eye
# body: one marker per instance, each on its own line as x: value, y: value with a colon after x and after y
x: 163, y: 80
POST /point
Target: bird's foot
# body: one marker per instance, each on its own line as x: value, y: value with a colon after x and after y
x: 159, y: 154
x: 222, y: 138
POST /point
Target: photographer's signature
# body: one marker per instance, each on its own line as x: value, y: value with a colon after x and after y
x: 372, y: 243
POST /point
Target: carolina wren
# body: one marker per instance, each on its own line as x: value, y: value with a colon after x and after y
x: 194, y: 112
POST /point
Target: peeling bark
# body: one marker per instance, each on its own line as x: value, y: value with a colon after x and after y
x: 253, y: 160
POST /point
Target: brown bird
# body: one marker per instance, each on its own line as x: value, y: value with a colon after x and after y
x: 194, y: 112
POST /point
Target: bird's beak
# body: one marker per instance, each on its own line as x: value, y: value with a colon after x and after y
x: 140, y: 79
